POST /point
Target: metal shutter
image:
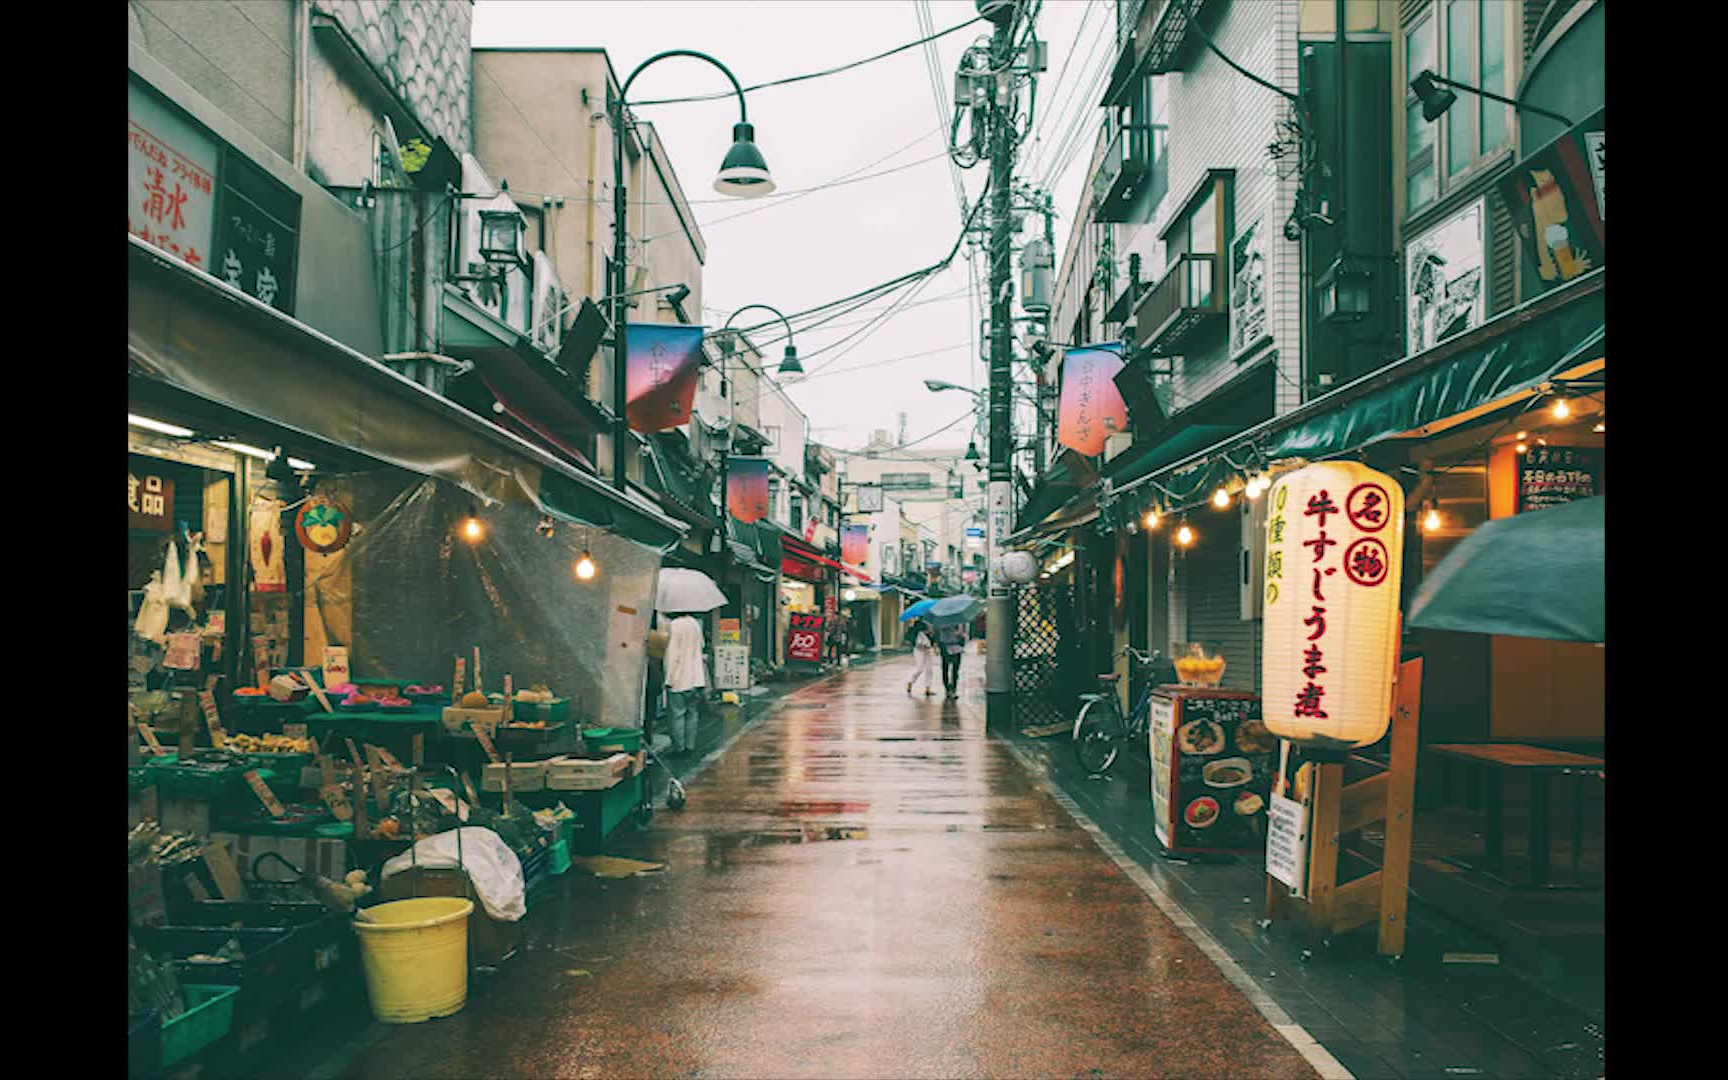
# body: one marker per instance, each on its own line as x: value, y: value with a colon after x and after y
x: 1210, y: 570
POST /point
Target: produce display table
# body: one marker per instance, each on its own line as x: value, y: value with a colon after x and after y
x: 1540, y: 765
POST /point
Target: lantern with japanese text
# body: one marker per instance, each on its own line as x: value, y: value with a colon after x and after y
x: 1334, y: 559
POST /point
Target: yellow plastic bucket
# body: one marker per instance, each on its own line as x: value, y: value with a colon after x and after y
x: 416, y: 958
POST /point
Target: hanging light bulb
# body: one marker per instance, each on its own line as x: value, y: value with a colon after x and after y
x: 1561, y: 409
x: 1601, y: 427
x: 473, y: 529
x: 1521, y: 447
x: 1151, y: 519
x: 1221, y: 498
x: 585, y: 568
x: 1431, y: 521
x: 1253, y: 489
x: 1184, y: 535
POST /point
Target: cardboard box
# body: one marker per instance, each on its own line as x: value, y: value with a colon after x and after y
x: 587, y: 774
x: 457, y: 719
x: 524, y: 776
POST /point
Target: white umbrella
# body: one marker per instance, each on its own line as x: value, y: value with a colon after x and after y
x: 687, y: 590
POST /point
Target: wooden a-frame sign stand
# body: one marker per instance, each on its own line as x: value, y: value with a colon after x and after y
x: 1336, y: 810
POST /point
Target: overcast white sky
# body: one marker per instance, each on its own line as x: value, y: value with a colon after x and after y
x: 798, y: 253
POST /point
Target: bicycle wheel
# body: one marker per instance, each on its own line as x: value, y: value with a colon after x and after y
x: 1097, y: 735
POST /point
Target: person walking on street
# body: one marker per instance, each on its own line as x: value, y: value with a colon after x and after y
x: 924, y: 656
x: 952, y: 640
x: 685, y: 680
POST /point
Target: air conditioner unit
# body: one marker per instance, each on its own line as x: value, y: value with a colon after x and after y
x: 546, y: 313
x: 1251, y: 560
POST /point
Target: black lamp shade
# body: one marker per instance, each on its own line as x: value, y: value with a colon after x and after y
x: 1436, y: 99
x: 744, y: 172
x: 789, y: 364
x: 971, y: 451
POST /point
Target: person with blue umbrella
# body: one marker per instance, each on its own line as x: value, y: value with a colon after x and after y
x: 923, y: 655
x: 950, y: 615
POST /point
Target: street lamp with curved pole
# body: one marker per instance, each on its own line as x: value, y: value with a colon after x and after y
x: 743, y: 173
x: 789, y: 364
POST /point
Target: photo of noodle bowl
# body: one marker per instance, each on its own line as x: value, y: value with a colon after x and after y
x: 1200, y: 737
x: 1201, y: 812
x: 1227, y: 772
x: 1248, y: 804
x: 1252, y: 737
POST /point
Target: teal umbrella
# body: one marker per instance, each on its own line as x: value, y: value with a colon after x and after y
x: 1537, y: 574
x: 953, y: 609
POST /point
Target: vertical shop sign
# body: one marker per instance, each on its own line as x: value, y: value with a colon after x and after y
x: 1248, y: 326
x: 171, y: 178
x: 257, y: 237
x: 660, y: 374
x: 1091, y: 408
x: 731, y: 667
x: 747, y: 488
x: 855, y: 545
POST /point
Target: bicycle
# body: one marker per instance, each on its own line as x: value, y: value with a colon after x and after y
x: 1100, y: 730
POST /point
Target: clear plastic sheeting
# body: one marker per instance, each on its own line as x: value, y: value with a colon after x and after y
x: 413, y: 593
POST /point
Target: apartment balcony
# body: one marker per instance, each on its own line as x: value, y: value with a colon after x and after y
x: 1188, y: 300
x: 1174, y: 38
x: 1121, y: 174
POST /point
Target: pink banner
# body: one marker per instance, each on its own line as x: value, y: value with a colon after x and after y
x: 1092, y: 408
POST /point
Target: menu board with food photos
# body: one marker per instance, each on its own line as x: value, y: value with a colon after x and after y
x: 1212, y: 765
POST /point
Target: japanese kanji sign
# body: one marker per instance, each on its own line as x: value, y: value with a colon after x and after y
x: 257, y: 243
x: 1555, y: 475
x: 1092, y: 408
x: 149, y: 501
x: 1334, y: 547
x: 660, y: 373
x: 171, y: 179
x: 804, y: 637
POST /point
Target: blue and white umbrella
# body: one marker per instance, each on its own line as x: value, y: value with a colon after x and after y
x: 920, y: 608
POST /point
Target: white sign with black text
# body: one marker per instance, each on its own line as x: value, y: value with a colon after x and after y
x: 1287, y: 842
x: 732, y: 667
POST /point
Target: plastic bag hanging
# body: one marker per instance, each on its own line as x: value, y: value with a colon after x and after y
x: 176, y: 590
x: 152, y: 621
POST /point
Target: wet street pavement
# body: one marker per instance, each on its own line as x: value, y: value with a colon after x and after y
x: 863, y: 884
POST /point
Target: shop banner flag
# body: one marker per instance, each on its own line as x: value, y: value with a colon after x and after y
x: 660, y: 374
x: 855, y: 545
x: 1092, y: 408
x: 747, y: 488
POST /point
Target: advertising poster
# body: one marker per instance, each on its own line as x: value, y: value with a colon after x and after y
x: 1555, y: 198
x: 804, y: 637
x: 1445, y: 292
x: 1091, y: 408
x: 660, y: 373
x: 747, y: 488
x: 1248, y: 324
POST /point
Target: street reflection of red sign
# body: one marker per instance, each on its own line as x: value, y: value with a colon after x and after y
x: 804, y: 637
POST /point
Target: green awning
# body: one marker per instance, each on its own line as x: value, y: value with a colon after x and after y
x: 1138, y: 461
x: 1054, y: 490
x: 1509, y: 355
x: 1524, y: 357
x: 564, y: 497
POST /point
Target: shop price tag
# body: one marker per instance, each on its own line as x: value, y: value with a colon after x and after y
x: 295, y: 731
x: 380, y: 779
x: 212, y: 719
x: 265, y: 795
x: 419, y: 749
x: 152, y: 745
x: 317, y: 693
x: 217, y: 624
x: 336, y: 801
x: 149, y: 804
x: 223, y: 871
x: 485, y: 740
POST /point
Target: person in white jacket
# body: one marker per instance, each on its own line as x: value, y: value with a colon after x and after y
x: 924, y: 656
x: 685, y: 680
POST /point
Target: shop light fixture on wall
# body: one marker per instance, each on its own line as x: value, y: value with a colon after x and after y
x: 1561, y: 409
x: 586, y: 567
x: 1431, y: 520
x: 158, y: 426
x: 262, y: 454
x: 472, y: 528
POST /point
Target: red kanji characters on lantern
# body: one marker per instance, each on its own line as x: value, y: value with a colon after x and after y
x: 1311, y: 665
x: 1317, y: 620
x: 1320, y: 505
x: 1320, y: 544
x: 1366, y: 562
x: 1308, y: 701
x: 1318, y: 573
x: 1366, y: 507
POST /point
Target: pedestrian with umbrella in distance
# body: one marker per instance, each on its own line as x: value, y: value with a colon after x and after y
x: 923, y: 656
x: 950, y: 616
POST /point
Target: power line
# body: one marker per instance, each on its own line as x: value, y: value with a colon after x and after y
x: 815, y: 74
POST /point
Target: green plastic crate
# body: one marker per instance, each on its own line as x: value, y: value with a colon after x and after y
x: 560, y: 857
x: 629, y: 740
x: 208, y: 1016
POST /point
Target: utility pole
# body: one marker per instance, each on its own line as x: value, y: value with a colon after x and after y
x: 1039, y: 387
x: 998, y: 611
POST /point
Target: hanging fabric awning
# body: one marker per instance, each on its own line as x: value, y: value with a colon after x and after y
x: 1560, y: 335
x: 195, y: 333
